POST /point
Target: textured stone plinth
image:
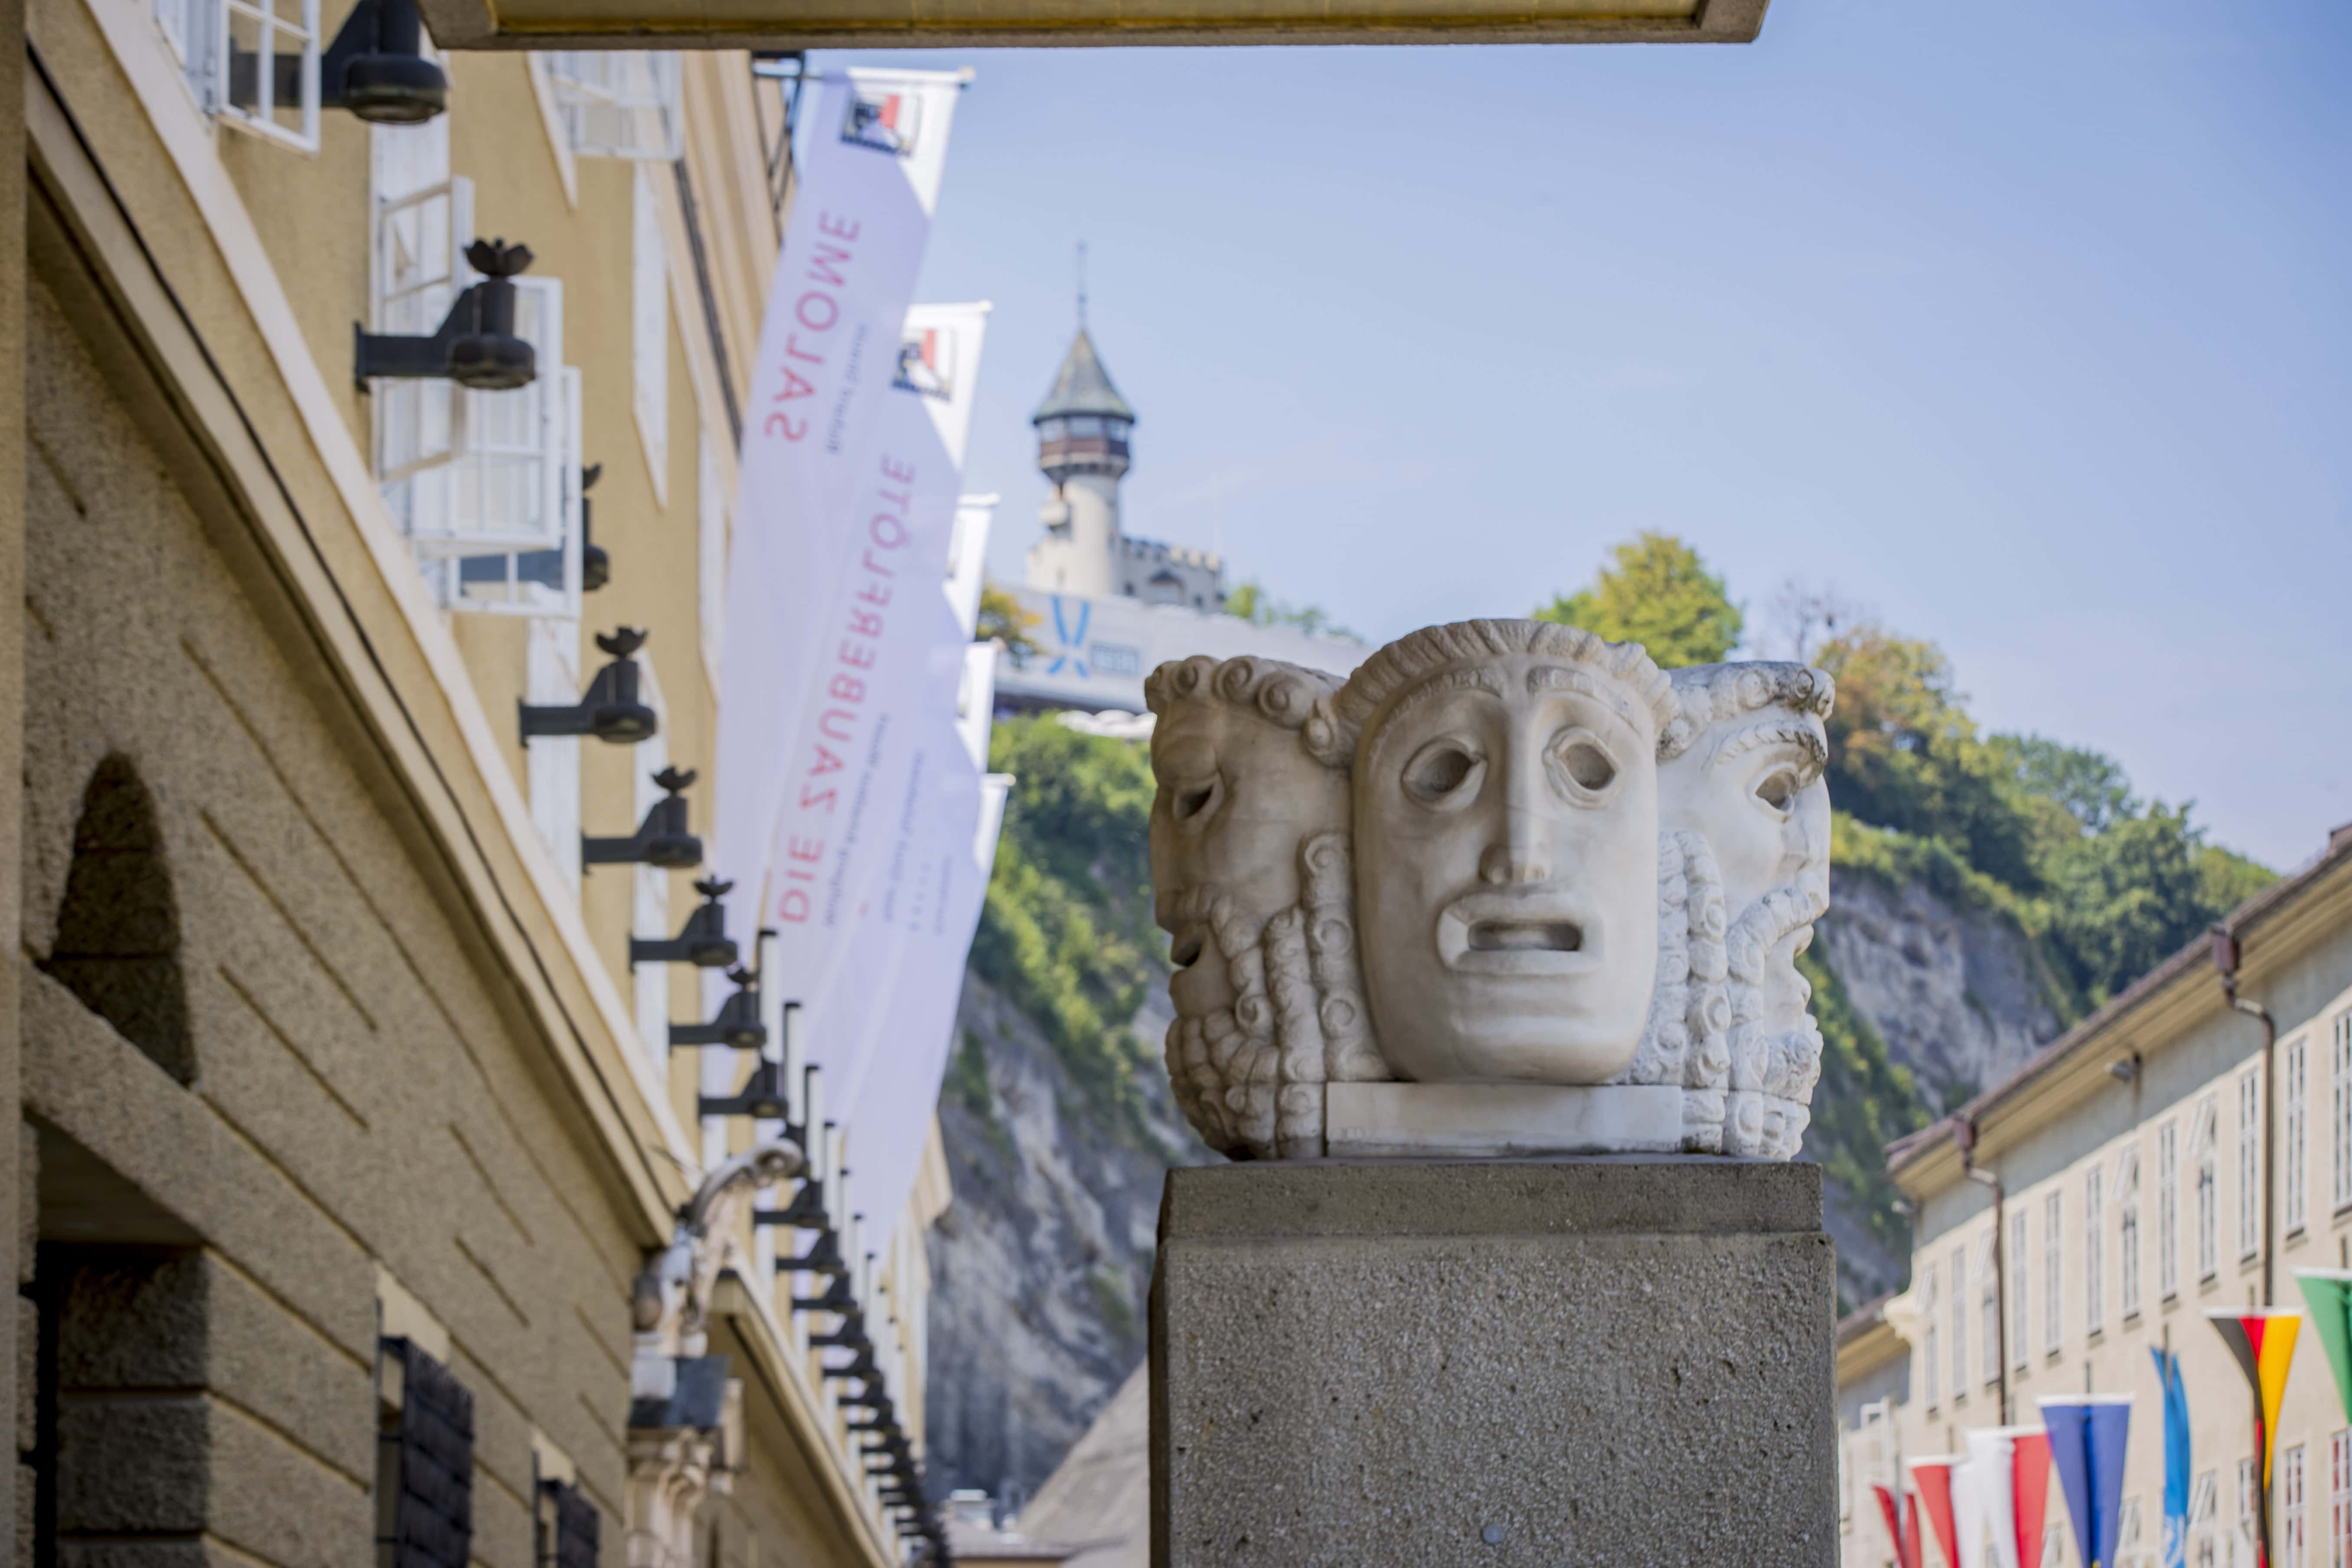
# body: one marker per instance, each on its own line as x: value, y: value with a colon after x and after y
x: 1451, y: 1121
x: 1618, y: 1360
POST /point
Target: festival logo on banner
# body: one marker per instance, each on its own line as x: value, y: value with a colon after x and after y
x: 885, y: 121
x: 927, y: 364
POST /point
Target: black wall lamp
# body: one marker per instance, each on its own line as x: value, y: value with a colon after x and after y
x: 609, y: 710
x: 595, y: 565
x: 474, y: 346
x: 738, y: 1027
x: 662, y: 839
x: 702, y: 941
x: 377, y: 70
x: 763, y: 1100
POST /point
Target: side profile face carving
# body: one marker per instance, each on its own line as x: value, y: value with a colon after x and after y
x: 1505, y: 814
x: 1744, y: 775
x: 1249, y: 865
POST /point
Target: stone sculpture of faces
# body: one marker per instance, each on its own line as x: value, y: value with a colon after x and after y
x: 1505, y: 815
x: 1239, y: 806
x: 1744, y: 774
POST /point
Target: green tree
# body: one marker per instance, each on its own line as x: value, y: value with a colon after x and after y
x: 1003, y: 620
x: 1659, y: 593
x: 1250, y: 602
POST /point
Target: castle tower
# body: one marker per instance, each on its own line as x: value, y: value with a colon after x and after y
x: 1082, y: 430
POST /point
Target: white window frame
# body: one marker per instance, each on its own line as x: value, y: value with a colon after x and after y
x: 1959, y: 1323
x: 2204, y: 1508
x: 2094, y: 1262
x: 198, y: 32
x: 2205, y: 1144
x: 1988, y: 1305
x: 2021, y: 1292
x: 2054, y: 1271
x: 2127, y: 1249
x: 2339, y: 1499
x: 649, y: 328
x: 2340, y: 1120
x: 620, y: 103
x: 2168, y: 1211
x: 2294, y: 1519
x: 649, y: 885
x: 417, y: 270
x: 514, y: 583
x: 551, y: 763
x: 2250, y: 1167
x: 2298, y: 1051
x: 1931, y: 1366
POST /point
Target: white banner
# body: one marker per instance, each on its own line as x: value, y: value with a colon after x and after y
x: 869, y: 171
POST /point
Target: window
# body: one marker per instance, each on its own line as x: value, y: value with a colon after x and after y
x: 2127, y: 1252
x: 619, y: 103
x: 2053, y: 1272
x: 1959, y: 1323
x: 2129, y: 1530
x: 221, y: 47
x: 649, y: 332
x: 2168, y: 1211
x: 2094, y: 1262
x: 1989, y: 1304
x: 551, y: 665
x: 2019, y: 1295
x: 2203, y: 1504
x: 2293, y: 1526
x: 649, y: 895
x: 2340, y: 1119
x: 2249, y: 1169
x: 2296, y: 1054
x: 711, y: 535
x: 1931, y: 1367
x: 2246, y: 1499
x: 2208, y: 1211
x: 2340, y: 1500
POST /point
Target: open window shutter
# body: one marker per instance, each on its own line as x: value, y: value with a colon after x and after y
x: 505, y: 485
x: 433, y: 1517
x: 619, y: 103
x: 573, y: 1530
x: 264, y: 73
x: 419, y: 269
x: 537, y: 582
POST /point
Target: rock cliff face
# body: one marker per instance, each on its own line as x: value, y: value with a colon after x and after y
x: 1039, y: 1270
x: 1959, y: 995
x: 1041, y: 1266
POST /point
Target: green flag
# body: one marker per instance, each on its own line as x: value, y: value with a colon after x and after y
x: 2329, y: 1292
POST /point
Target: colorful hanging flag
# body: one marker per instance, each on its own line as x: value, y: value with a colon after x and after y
x: 2263, y: 1339
x: 2329, y: 1293
x: 1933, y: 1477
x: 2009, y: 1484
x: 1903, y: 1531
x: 2088, y: 1435
x: 2177, y: 1466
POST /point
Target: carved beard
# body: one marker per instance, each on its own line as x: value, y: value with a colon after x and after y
x: 1686, y: 1039
x: 1217, y: 1059
x: 1772, y: 1074
x: 1251, y: 1076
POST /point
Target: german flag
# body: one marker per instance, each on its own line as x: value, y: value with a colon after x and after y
x: 2263, y: 1339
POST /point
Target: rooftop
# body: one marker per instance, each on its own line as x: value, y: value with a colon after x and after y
x: 1082, y: 387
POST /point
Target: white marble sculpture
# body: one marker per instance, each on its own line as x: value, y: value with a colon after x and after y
x: 1580, y: 886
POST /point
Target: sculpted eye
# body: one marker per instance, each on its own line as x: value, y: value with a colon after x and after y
x: 1445, y: 771
x: 1194, y: 805
x: 1582, y: 763
x: 1778, y: 789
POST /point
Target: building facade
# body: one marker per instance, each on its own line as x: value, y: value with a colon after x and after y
x: 367, y: 1202
x: 1108, y: 608
x: 2155, y: 1165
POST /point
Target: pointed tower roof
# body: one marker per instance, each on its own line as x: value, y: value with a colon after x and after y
x: 1082, y: 387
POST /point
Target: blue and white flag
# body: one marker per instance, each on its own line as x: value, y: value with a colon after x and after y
x: 2175, y: 1460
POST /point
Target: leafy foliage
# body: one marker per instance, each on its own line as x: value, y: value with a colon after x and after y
x: 1066, y: 933
x: 1003, y: 620
x: 1658, y: 593
x: 1252, y: 602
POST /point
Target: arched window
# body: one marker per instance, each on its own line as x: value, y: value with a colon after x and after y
x: 118, y: 942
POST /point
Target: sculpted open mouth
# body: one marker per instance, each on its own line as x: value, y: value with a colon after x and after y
x: 1527, y: 930
x: 1185, y: 951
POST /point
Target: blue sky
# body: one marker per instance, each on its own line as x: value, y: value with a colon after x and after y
x: 2027, y: 326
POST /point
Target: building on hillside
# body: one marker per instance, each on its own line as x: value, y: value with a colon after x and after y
x: 2127, y: 1160
x: 1093, y: 1511
x: 355, y: 1135
x: 1110, y: 607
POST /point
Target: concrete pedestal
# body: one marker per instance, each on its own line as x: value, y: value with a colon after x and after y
x: 1614, y: 1360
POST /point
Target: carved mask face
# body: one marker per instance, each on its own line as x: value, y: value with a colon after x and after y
x: 1507, y: 822
x: 1237, y: 794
